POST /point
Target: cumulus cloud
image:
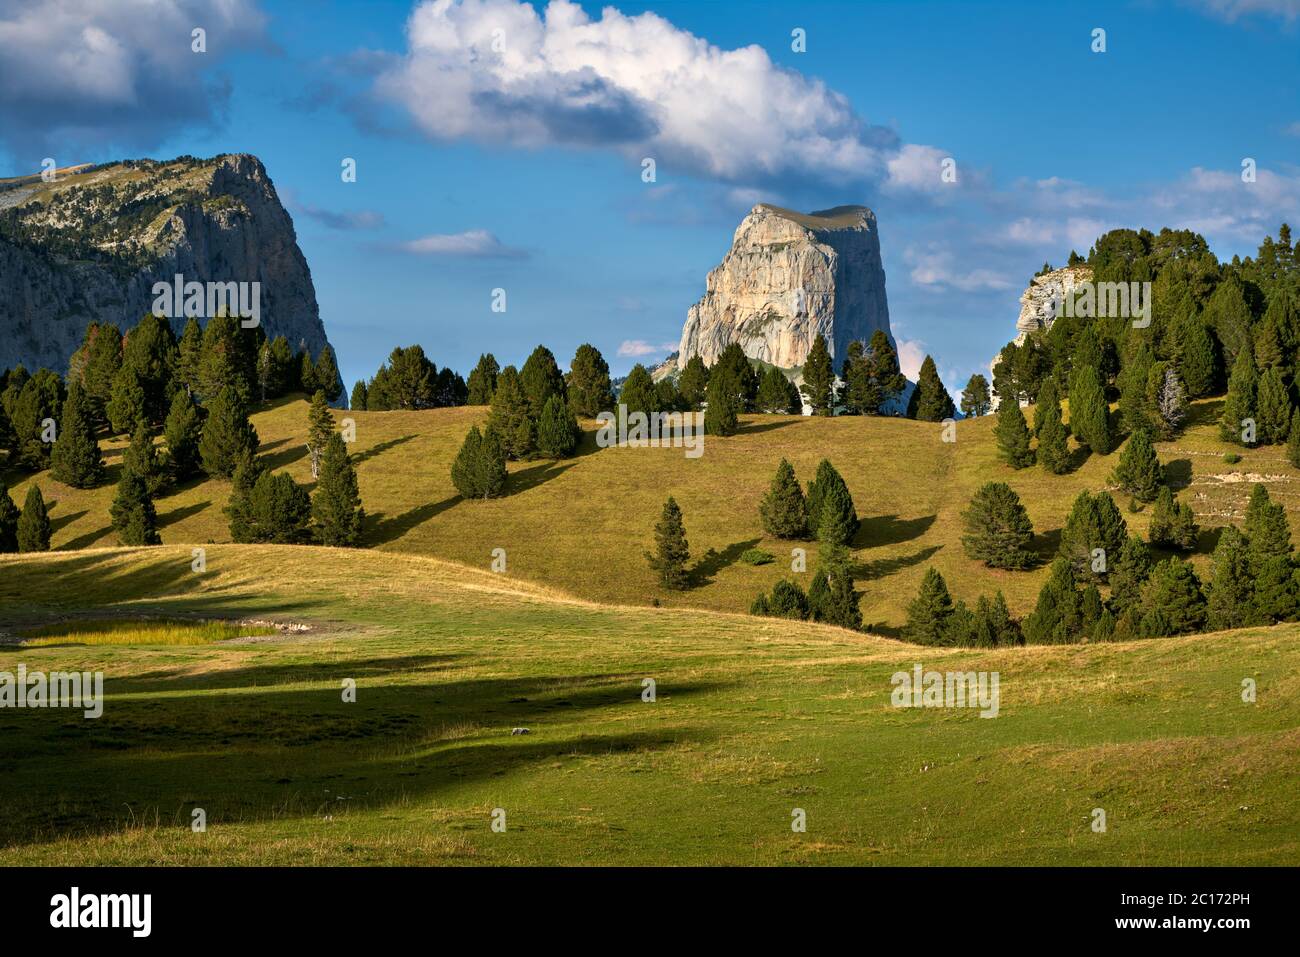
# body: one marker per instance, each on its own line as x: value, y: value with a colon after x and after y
x: 471, y: 244
x: 81, y: 74
x: 636, y: 348
x: 347, y: 220
x: 911, y: 354
x: 1234, y: 10
x: 499, y: 71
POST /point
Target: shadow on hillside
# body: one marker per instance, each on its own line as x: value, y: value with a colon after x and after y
x: 1178, y: 474
x: 885, y: 631
x: 86, y: 540
x: 878, y: 530
x: 753, y: 428
x: 181, y: 513
x: 530, y: 478
x: 380, y: 530
x: 1078, y: 458
x: 59, y: 522
x: 1204, y: 413
x: 271, y: 752
x: 884, y: 567
x: 1207, y: 540
x: 714, y: 561
x: 283, y: 458
x: 381, y: 448
x: 1047, y: 544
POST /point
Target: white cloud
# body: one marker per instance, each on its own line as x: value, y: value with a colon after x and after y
x: 639, y: 347
x: 473, y: 243
x: 81, y: 73
x: 911, y: 354
x: 933, y: 268
x: 498, y: 71
x: 1233, y: 10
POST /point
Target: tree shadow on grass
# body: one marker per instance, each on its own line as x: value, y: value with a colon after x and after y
x: 535, y: 475
x: 283, y: 458
x: 381, y: 448
x: 753, y: 428
x: 1078, y: 457
x: 59, y: 522
x: 1047, y: 544
x: 1204, y: 413
x: 879, y: 530
x: 379, y: 529
x: 884, y: 567
x: 714, y: 561
x: 181, y: 513
x: 86, y: 540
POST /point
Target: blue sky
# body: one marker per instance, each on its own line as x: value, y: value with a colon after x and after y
x: 519, y: 168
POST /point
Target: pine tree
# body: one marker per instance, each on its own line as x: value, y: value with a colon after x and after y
x: 141, y: 457
x: 479, y: 470
x: 818, y: 596
x: 540, y: 378
x: 1128, y: 573
x: 35, y: 411
x: 1266, y: 529
x: 760, y: 606
x: 557, y: 429
x: 320, y: 426
x: 929, y: 612
x: 1134, y: 408
x: 190, y: 357
x: 1274, y: 597
x: 1166, y: 401
x: 860, y: 396
x: 126, y: 406
x: 75, y: 459
x: 887, y: 379
x: 239, y: 510
x: 358, y: 400
x: 1198, y: 363
x: 1173, y: 525
x: 975, y: 399
x: 336, y: 503
x: 638, y: 392
x: 590, y: 392
x: 34, y: 523
x: 1231, y: 589
x: 8, y: 521
x: 1094, y: 523
x: 227, y: 433
x: 280, y: 509
x: 930, y: 401
x: 828, y: 489
x: 671, y: 548
x: 1053, y: 438
x: 307, y: 372
x: 819, y: 378
x: 328, y: 379
x: 1239, y: 406
x: 1057, y: 618
x: 840, y: 607
x: 483, y: 380
x: 777, y: 394
x: 837, y: 522
x: 103, y: 360
x: 1049, y: 397
x: 223, y: 360
x: 1089, y: 415
x: 134, y: 517
x: 720, y: 412
x: 1139, y: 471
x: 511, y: 419
x: 693, y: 383
x: 998, y: 530
x: 1272, y: 408
x: 1172, y: 603
x: 150, y: 349
x: 1012, y: 435
x: 784, y: 510
x: 788, y: 601
x: 182, y: 432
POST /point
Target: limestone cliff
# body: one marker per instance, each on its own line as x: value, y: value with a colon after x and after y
x: 787, y: 277
x: 90, y: 245
x: 1039, y: 302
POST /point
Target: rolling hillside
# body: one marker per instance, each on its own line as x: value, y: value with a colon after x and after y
x: 583, y: 524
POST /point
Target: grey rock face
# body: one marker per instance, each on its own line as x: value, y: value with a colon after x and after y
x: 89, y: 247
x: 787, y: 277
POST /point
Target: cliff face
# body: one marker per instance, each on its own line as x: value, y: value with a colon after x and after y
x: 787, y: 277
x: 1039, y: 302
x: 90, y: 245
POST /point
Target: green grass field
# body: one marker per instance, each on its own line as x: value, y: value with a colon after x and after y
x: 753, y: 718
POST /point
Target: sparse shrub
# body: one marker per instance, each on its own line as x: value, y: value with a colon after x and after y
x: 756, y: 556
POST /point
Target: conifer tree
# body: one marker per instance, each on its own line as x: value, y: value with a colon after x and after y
x: 975, y: 398
x: 734, y: 367
x: 760, y: 606
x: 190, y: 357
x: 1128, y: 573
x: 818, y: 596
x: 1089, y: 415
x: 134, y: 517
x: 693, y: 383
x: 336, y: 503
x: 307, y: 372
x: 357, y: 401
x: 103, y: 360
x: 828, y: 491
x: 227, y: 433
x: 150, y: 349
x: 141, y: 457
x: 483, y: 380
x: 1239, y: 406
x: 1094, y: 523
x: 1053, y: 438
x: 888, y: 381
x: 1172, y: 603
x: 1266, y: 529
x: 1139, y: 471
x: 638, y: 392
x: 511, y: 419
x: 1231, y: 589
x: 34, y: 523
x: 8, y: 521
x: 479, y: 470
x: 35, y: 413
x: 279, y: 508
x: 1293, y: 440
x: 1049, y: 396
x: 1173, y: 524
x: 320, y: 426
x: 1057, y: 618
x: 819, y: 378
x: 1012, y: 435
x: 720, y: 413
x: 239, y: 509
x: 929, y: 612
x: 222, y: 361
x: 998, y: 530
x: 557, y: 429
x: 182, y: 432
x: 671, y: 548
x: 778, y: 394
x: 328, y: 379
x: 784, y: 510
x: 126, y: 405
x: 590, y: 392
x: 930, y: 401
x: 860, y: 395
x: 1274, y: 597
x: 788, y: 601
x: 1166, y: 401
x: 1272, y: 408
x: 840, y: 607
x: 1198, y: 363
x: 540, y: 378
x: 75, y: 459
x: 1133, y: 380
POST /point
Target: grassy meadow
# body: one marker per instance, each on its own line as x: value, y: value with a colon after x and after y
x: 753, y: 718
